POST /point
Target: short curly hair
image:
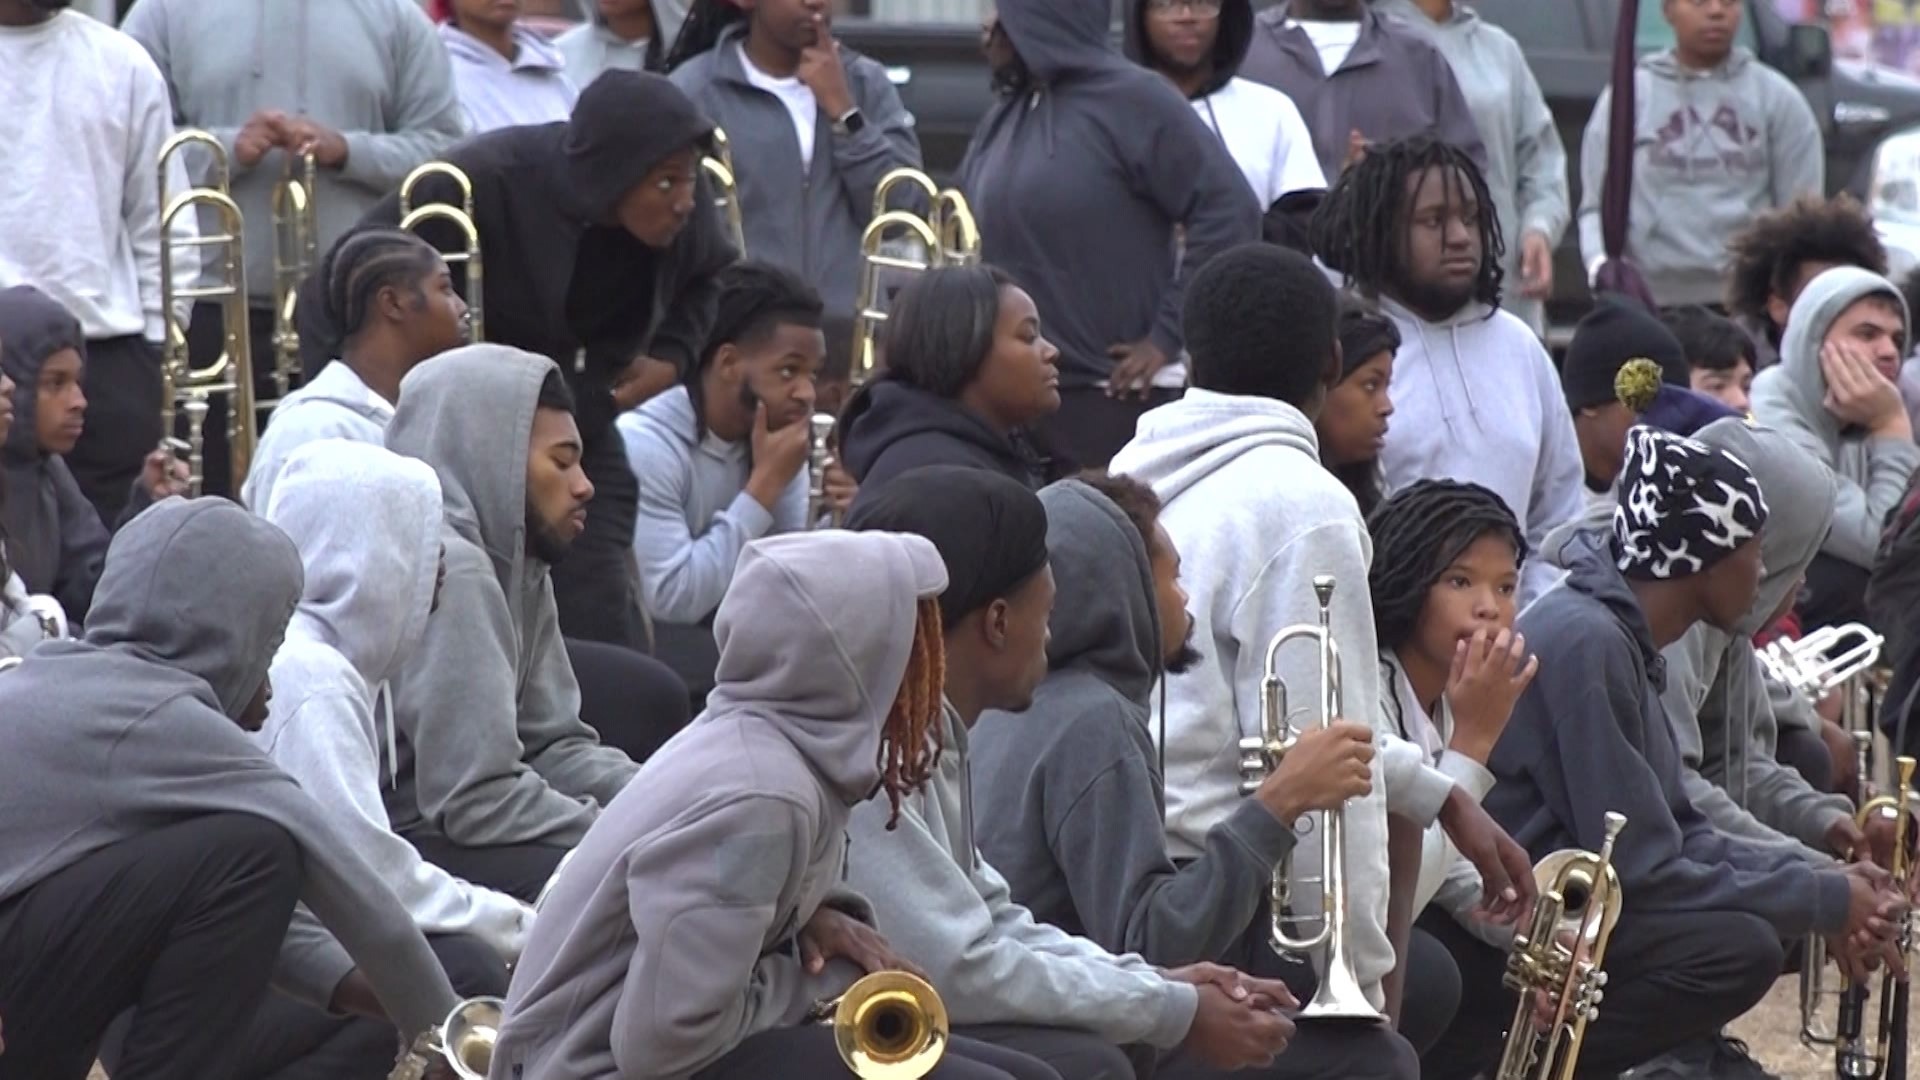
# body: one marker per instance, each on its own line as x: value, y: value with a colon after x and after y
x: 1260, y: 322
x: 1765, y: 258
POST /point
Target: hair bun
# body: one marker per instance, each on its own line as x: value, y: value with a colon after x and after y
x: 1637, y: 383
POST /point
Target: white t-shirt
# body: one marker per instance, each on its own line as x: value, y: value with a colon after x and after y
x: 1267, y: 136
x: 1334, y: 40
x: 796, y: 96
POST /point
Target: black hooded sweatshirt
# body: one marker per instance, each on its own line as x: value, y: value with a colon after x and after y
x: 1080, y: 179
x: 561, y: 276
x: 890, y: 427
x: 1229, y: 47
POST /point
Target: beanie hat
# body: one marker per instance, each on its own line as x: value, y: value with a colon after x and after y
x: 1682, y: 506
x: 1614, y: 332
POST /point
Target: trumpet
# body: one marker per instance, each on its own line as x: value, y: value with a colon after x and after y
x: 890, y: 1025
x: 1811, y: 665
x: 296, y: 239
x: 1856, y: 1056
x: 1340, y: 995
x: 187, y: 388
x: 818, y: 460
x: 1579, y: 891
x: 465, y: 1040
x: 462, y: 219
x: 719, y: 169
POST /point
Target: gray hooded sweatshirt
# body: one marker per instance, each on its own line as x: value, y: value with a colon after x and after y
x: 132, y: 729
x: 490, y: 690
x: 1787, y: 397
x: 1711, y: 150
x: 735, y: 835
x: 805, y: 217
x: 373, y: 70
x: 1717, y: 696
x: 1077, y: 821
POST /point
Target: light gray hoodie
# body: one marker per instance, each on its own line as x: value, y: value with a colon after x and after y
x: 335, y: 404
x: 495, y: 92
x: 373, y: 70
x: 1716, y: 695
x: 367, y: 523
x: 490, y: 694
x: 1789, y: 396
x: 695, y: 515
x: 132, y: 728
x: 1711, y: 150
x: 668, y: 939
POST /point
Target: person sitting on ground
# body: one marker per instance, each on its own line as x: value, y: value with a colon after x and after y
x: 1352, y: 427
x: 1616, y: 332
x: 1721, y: 356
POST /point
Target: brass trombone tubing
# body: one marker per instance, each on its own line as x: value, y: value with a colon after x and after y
x: 867, y: 316
x: 231, y: 373
x: 295, y: 255
x: 719, y: 169
x: 463, y: 219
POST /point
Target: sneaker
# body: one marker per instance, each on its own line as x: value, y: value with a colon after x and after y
x: 1688, y: 1061
x: 1731, y: 1060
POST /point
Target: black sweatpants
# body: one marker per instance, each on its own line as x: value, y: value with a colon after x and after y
x: 1671, y: 978
x: 292, y: 1040
x: 634, y: 701
x: 182, y: 923
x: 1091, y: 427
x: 1806, y: 753
x: 808, y: 1053
x: 1073, y: 1055
x: 594, y: 584
x: 1320, y: 1050
x: 123, y: 421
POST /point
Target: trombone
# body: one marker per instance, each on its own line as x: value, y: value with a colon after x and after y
x: 186, y: 388
x: 1579, y: 892
x: 947, y: 236
x: 296, y: 239
x: 465, y: 1040
x: 890, y: 1025
x: 719, y: 169
x: 1340, y: 995
x: 462, y: 219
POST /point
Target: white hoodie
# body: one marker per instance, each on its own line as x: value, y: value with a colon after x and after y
x: 1255, y: 518
x: 336, y: 404
x: 1476, y: 399
x: 367, y: 523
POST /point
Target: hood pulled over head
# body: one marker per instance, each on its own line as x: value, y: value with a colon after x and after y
x: 1057, y: 38
x: 815, y: 633
x: 367, y: 523
x: 33, y: 326
x: 624, y: 124
x: 201, y: 586
x: 1104, y: 615
x: 1230, y: 46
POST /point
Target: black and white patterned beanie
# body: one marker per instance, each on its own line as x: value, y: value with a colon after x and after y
x: 1683, y: 506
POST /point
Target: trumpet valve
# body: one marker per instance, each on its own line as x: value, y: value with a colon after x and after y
x: 1257, y: 762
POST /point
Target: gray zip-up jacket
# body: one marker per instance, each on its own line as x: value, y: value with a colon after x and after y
x: 492, y: 747
x: 808, y: 220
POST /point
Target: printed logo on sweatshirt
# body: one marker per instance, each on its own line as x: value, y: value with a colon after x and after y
x: 1691, y: 142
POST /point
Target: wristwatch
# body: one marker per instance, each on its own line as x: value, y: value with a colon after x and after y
x: 850, y: 124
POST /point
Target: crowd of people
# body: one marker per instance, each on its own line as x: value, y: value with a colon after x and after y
x: 644, y: 662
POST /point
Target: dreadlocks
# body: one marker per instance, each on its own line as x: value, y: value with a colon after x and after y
x: 913, y: 736
x: 705, y: 21
x: 1362, y: 230
x: 1417, y: 533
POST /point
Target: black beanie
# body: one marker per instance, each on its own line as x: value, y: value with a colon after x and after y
x: 625, y: 123
x: 1614, y: 332
x: 991, y: 531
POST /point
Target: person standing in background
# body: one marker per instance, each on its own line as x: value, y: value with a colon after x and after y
x: 363, y: 84
x: 1721, y: 138
x: 1358, y: 79
x: 624, y: 35
x: 813, y: 128
x: 1198, y: 45
x: 506, y: 74
x: 1083, y: 175
x: 83, y: 115
x: 1526, y: 164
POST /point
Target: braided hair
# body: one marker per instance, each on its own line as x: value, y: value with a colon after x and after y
x: 706, y: 20
x: 365, y: 261
x: 1417, y: 533
x: 1361, y: 230
x: 913, y: 736
x: 755, y: 299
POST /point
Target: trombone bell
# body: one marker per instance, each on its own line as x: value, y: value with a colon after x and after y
x: 891, y: 1025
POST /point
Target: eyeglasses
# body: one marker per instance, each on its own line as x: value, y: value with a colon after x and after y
x: 1207, y: 8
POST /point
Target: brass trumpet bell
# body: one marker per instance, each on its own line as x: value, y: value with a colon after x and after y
x: 891, y: 1025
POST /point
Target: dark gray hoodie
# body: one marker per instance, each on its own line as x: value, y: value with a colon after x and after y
x: 1594, y: 737
x: 1072, y: 797
x: 736, y: 834
x: 132, y: 729
x: 490, y: 688
x: 1080, y: 179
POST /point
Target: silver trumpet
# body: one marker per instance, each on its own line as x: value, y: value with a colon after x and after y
x: 1812, y: 665
x: 818, y: 461
x: 465, y: 1040
x: 1340, y: 996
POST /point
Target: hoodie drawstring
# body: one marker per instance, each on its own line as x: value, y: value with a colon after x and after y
x: 385, y: 696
